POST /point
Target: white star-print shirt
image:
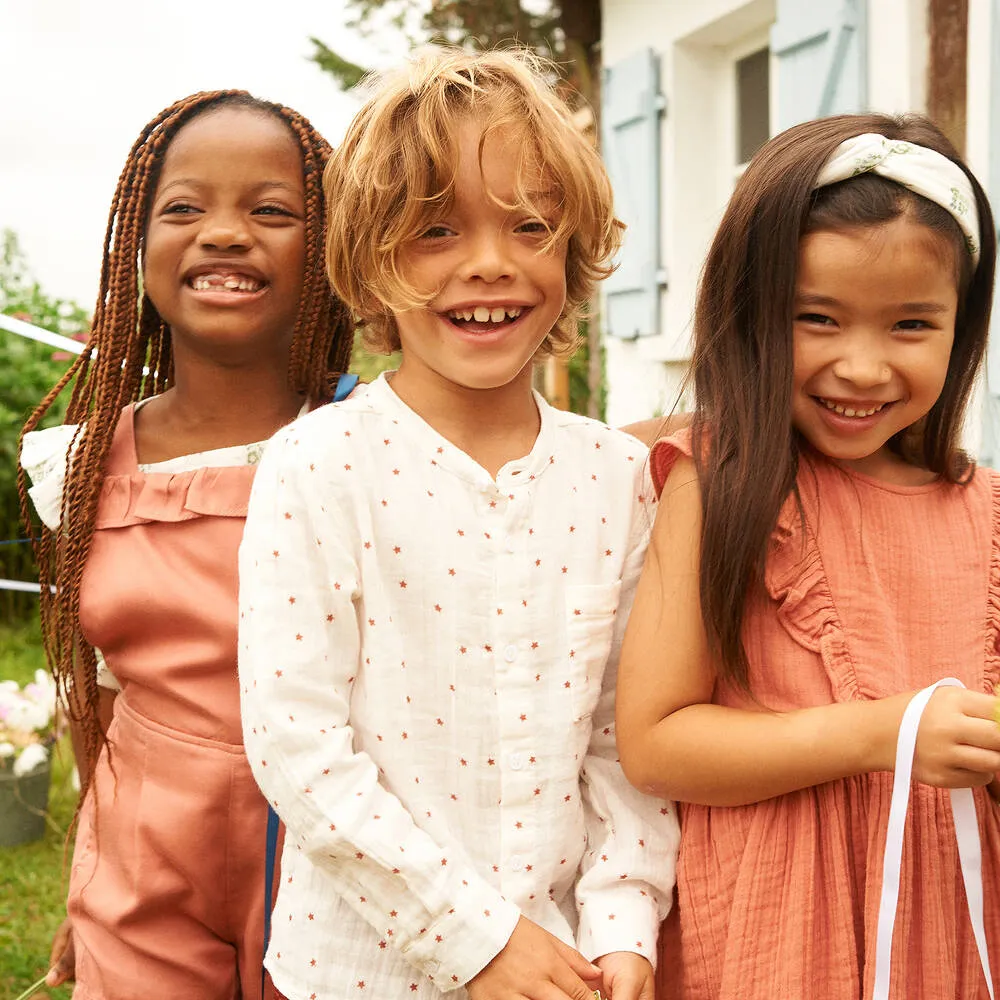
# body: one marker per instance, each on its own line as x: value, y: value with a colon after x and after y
x: 427, y: 671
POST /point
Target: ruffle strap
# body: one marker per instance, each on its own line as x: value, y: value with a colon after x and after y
x: 143, y: 497
x: 992, y: 659
x: 796, y: 580
x: 43, y: 458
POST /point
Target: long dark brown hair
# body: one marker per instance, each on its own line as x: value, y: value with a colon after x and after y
x: 745, y: 447
x: 128, y: 335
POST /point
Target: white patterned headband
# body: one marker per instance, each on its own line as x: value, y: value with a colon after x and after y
x: 917, y: 168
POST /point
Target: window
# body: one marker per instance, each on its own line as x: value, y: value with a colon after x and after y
x: 753, y: 99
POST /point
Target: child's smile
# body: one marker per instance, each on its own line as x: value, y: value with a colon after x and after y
x: 497, y: 290
x: 873, y: 330
x: 225, y: 243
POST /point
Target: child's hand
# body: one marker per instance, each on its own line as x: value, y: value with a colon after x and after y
x: 62, y: 960
x: 536, y: 965
x: 958, y: 742
x: 627, y: 976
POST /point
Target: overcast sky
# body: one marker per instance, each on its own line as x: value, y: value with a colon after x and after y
x: 80, y: 79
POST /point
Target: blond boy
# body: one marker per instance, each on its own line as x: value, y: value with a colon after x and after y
x: 436, y: 575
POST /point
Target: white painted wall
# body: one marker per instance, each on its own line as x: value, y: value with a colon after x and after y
x: 698, y: 42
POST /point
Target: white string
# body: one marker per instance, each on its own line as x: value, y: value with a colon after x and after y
x: 966, y: 832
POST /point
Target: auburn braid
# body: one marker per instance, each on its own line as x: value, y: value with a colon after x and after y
x: 129, y: 357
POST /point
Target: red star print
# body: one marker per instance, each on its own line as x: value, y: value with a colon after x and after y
x: 298, y: 636
x: 538, y: 791
x: 275, y: 553
x: 402, y: 584
x: 451, y: 572
x: 534, y: 645
x: 607, y: 552
x: 499, y: 611
x: 277, y: 673
x: 347, y: 466
x: 461, y: 533
x: 523, y: 717
x: 311, y: 917
x: 288, y: 516
x: 329, y: 618
x: 565, y: 570
x: 371, y: 621
x: 490, y: 761
x: 488, y: 648
x: 361, y: 984
x: 395, y: 472
x: 437, y: 607
x: 291, y: 600
x: 413, y: 987
x: 462, y: 649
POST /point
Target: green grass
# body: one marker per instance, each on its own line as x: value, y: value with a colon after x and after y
x: 32, y: 887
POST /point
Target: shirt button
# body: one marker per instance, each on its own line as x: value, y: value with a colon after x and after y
x: 516, y: 863
x: 510, y: 653
x: 509, y: 545
x: 516, y: 761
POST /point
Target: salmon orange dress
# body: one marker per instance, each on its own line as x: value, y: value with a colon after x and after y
x: 166, y: 891
x: 883, y: 589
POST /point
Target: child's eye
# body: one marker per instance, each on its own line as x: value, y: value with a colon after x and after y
x: 272, y: 210
x: 436, y: 233
x: 534, y: 227
x: 913, y: 324
x: 816, y: 319
x: 179, y: 208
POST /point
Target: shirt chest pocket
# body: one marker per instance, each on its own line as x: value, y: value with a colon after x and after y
x: 590, y: 629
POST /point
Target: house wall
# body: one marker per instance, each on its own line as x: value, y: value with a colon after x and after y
x: 698, y: 43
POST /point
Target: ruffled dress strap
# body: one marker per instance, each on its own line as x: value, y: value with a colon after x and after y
x: 991, y: 666
x: 796, y: 580
x: 43, y: 458
x: 130, y: 496
x: 664, y: 454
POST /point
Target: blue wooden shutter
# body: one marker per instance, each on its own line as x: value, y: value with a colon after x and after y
x: 820, y: 50
x: 989, y: 448
x: 630, y: 114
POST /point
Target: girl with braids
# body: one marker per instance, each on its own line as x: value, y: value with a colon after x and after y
x: 214, y: 327
x: 822, y: 548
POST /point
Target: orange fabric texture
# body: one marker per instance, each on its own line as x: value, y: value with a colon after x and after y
x: 885, y: 589
x: 167, y: 898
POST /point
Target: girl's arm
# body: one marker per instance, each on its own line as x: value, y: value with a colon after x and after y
x: 676, y: 744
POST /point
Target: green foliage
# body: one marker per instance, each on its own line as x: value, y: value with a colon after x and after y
x: 27, y: 371
x: 345, y: 72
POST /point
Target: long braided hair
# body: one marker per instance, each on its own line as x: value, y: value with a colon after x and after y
x: 127, y: 336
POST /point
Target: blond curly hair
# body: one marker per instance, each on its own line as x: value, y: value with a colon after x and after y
x: 394, y: 175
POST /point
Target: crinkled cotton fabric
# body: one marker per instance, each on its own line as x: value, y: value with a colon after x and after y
x: 883, y: 589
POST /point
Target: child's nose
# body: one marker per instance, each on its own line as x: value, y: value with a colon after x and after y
x: 224, y: 232
x: 865, y: 366
x: 488, y: 258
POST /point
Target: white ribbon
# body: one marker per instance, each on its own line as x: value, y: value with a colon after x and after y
x: 917, y: 168
x: 963, y: 810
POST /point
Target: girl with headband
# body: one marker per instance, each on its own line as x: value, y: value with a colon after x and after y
x: 823, y: 547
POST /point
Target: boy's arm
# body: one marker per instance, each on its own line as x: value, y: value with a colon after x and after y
x: 627, y: 874
x: 299, y: 653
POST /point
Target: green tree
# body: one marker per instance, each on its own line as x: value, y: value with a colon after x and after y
x: 27, y: 371
x: 567, y: 32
